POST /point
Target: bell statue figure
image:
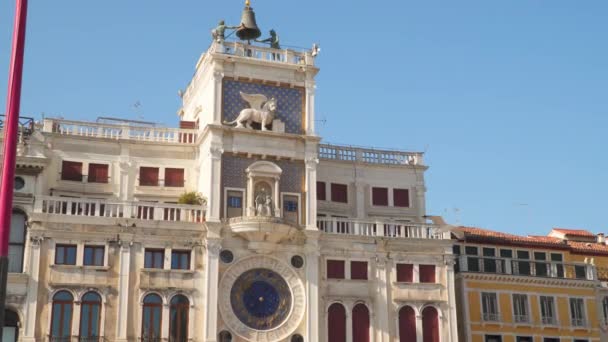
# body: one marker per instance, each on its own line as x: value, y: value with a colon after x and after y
x: 273, y: 40
x: 219, y: 33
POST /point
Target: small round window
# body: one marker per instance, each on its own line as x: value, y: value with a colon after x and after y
x: 297, y: 338
x: 19, y: 183
x: 226, y: 256
x: 297, y: 261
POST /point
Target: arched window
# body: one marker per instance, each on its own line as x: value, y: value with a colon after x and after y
x: 10, y: 332
x: 407, y: 324
x: 61, y: 317
x: 16, y: 244
x: 151, y: 318
x: 360, y: 323
x: 178, y: 319
x: 430, y: 324
x: 336, y: 323
x: 90, y: 317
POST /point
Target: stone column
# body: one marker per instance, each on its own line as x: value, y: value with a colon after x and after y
x: 215, y: 176
x: 218, y: 76
x: 311, y: 193
x: 381, y: 301
x: 212, y: 283
x: 31, y: 299
x: 360, y: 211
x: 310, y: 109
x: 164, y: 329
x: 312, y: 287
x: 451, y: 314
x: 349, y: 321
x: 122, y: 316
x: 277, y: 198
x: 420, y: 202
x: 419, y: 337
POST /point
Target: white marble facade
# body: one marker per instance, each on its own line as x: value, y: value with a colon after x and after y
x: 357, y: 211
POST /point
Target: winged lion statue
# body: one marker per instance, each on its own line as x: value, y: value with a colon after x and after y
x: 262, y: 110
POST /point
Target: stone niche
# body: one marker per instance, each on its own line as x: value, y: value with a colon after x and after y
x: 263, y: 179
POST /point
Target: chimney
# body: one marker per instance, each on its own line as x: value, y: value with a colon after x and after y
x: 601, y: 238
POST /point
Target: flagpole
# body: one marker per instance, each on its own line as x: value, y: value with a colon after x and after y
x: 11, y: 132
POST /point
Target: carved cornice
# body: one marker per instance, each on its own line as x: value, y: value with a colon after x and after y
x: 502, y: 278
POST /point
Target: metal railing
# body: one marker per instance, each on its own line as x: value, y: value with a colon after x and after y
x: 344, y: 226
x: 548, y: 320
x: 521, y: 318
x: 117, y: 209
x: 369, y: 155
x: 491, y: 317
x: 25, y: 128
x: 532, y: 268
x: 579, y: 322
x: 126, y: 132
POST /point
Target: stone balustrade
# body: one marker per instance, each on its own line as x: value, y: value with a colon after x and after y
x: 369, y: 155
x: 373, y: 228
x: 286, y: 56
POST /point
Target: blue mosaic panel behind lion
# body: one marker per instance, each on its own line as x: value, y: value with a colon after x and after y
x: 290, y: 102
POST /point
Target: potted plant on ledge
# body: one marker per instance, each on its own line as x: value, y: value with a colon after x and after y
x: 194, y: 198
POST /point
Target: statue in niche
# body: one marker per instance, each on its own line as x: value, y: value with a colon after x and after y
x: 262, y: 111
x: 263, y: 202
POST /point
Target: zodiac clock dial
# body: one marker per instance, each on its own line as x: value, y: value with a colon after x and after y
x: 261, y: 299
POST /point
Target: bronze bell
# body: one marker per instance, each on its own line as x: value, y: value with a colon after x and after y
x: 248, y: 30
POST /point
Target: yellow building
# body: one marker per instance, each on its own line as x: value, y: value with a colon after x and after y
x: 531, y: 289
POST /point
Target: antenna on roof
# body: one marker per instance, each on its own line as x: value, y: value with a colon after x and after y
x: 137, y: 109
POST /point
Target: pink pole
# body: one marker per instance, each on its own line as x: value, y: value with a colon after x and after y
x: 11, y: 132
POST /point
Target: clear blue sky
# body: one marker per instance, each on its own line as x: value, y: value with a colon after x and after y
x: 508, y: 98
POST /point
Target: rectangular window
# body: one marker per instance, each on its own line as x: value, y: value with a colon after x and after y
x: 339, y: 193
x: 405, y: 273
x: 93, y: 255
x: 180, y: 260
x: 427, y: 273
x: 148, y: 176
x: 551, y: 339
x: 401, y: 198
x: 174, y: 178
x: 358, y: 270
x: 580, y: 272
x: 520, y: 308
x: 154, y: 258
x: 493, y: 338
x: 523, y: 267
x: 380, y: 196
x: 489, y: 261
x: 235, y: 202
x: 490, y: 307
x: 577, y: 312
x: 321, y: 194
x: 472, y: 262
x: 291, y: 206
x: 542, y: 268
x: 65, y: 255
x: 547, y: 310
x: 71, y: 171
x: 335, y: 269
x: 456, y: 252
x: 557, y: 260
x: 98, y: 173
x: 524, y: 339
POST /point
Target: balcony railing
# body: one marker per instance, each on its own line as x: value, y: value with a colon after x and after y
x: 491, y: 317
x: 532, y: 268
x: 342, y: 226
x: 521, y: 318
x: 547, y: 320
x: 25, y: 127
x: 579, y: 322
x: 116, y: 209
x: 369, y: 155
x: 126, y: 132
x: 287, y: 56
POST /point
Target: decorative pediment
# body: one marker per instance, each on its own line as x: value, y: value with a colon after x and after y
x: 264, y: 169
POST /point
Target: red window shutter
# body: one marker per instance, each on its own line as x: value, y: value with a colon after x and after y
x: 407, y: 324
x: 174, y: 177
x: 358, y: 270
x: 360, y: 323
x: 321, y: 195
x: 380, y: 196
x: 405, y: 273
x: 336, y: 323
x: 187, y: 124
x: 401, y: 198
x: 148, y: 176
x: 71, y: 171
x: 335, y: 269
x: 427, y: 273
x: 339, y: 193
x: 98, y: 173
x: 430, y: 325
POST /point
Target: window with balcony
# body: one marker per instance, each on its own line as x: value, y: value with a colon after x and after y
x: 580, y: 272
x: 577, y: 312
x: 405, y: 273
x: 154, y: 258
x: 380, y: 197
x: 523, y: 267
x: 520, y: 308
x: 321, y: 192
x: 151, y: 318
x: 472, y: 260
x: 542, y: 268
x: 93, y: 255
x: 547, y: 310
x: 401, y: 198
x: 358, y: 270
x: 234, y: 203
x: 339, y: 193
x: 490, y: 307
x: 16, y: 243
x: 558, y: 258
x: 180, y: 260
x: 178, y: 324
x: 489, y: 261
x: 61, y: 316
x: 98, y: 173
x: 71, y: 171
x: 65, y: 255
x: 493, y: 338
x: 174, y: 178
x: 427, y: 274
x: 335, y: 269
x: 148, y: 176
x: 90, y: 317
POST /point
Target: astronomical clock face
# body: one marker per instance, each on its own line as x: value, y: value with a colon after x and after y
x: 262, y: 299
